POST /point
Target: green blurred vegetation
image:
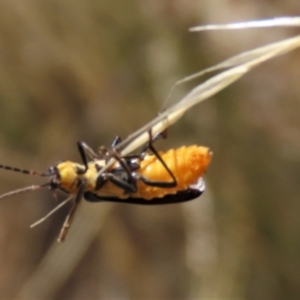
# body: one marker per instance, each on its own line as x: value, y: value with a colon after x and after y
x: 90, y: 70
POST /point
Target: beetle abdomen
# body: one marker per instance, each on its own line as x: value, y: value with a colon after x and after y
x: 187, y: 164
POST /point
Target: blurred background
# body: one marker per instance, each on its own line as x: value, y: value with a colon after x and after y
x: 90, y: 70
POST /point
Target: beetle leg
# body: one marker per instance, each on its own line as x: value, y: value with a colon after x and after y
x: 84, y: 151
x: 128, y: 187
x: 67, y: 223
x: 150, y: 146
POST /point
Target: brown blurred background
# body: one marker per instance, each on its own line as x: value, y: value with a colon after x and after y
x: 90, y: 70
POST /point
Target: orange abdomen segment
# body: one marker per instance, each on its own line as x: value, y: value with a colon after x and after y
x: 187, y: 164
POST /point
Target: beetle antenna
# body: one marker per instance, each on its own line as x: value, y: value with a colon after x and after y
x: 25, y: 189
x: 29, y: 172
x: 51, y: 212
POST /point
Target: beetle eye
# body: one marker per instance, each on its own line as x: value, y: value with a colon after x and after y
x: 54, y: 185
